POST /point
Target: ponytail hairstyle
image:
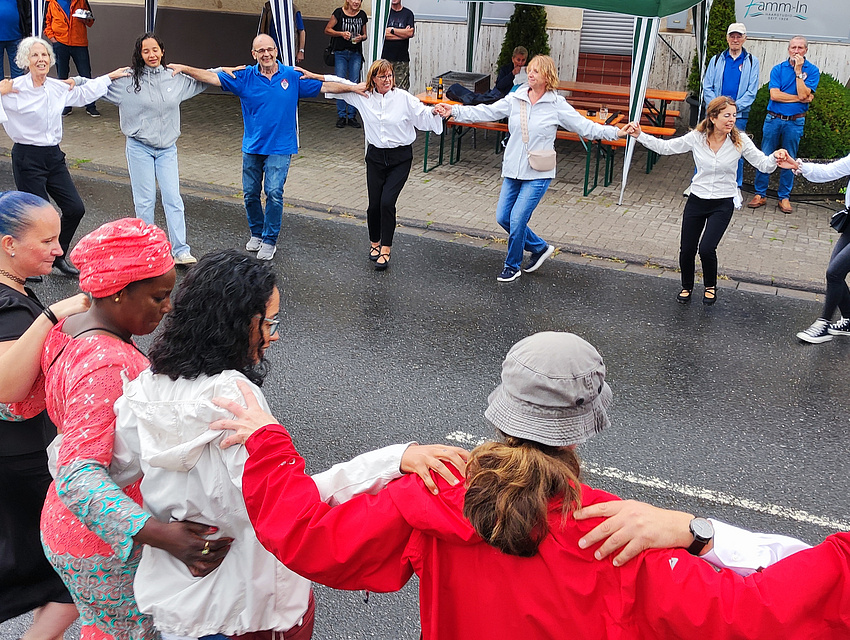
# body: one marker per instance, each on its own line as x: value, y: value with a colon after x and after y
x: 712, y: 111
x: 510, y: 486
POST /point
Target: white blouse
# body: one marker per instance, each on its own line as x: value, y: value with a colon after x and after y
x: 33, y: 115
x: 391, y: 120
x: 717, y: 173
x: 826, y: 172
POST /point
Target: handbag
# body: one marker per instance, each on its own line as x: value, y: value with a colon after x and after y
x: 328, y: 53
x: 539, y: 160
x: 839, y: 220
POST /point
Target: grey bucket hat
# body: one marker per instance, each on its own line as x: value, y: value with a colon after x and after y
x: 553, y: 390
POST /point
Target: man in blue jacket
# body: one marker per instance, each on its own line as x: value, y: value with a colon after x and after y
x: 733, y: 73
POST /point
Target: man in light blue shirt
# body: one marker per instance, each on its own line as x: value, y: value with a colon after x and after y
x: 734, y: 73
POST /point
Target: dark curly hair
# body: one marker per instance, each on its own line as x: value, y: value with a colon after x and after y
x: 214, y: 310
x: 138, y: 62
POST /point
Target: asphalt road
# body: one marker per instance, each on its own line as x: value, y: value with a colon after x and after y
x: 717, y: 410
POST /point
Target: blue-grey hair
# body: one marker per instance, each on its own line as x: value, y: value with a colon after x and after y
x: 22, y: 57
x: 16, y: 209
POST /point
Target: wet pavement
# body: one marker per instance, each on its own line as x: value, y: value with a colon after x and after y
x: 717, y: 410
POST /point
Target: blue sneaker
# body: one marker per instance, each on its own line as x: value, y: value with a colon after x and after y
x: 536, y: 259
x: 509, y: 274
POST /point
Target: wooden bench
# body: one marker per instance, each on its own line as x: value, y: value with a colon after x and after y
x: 648, y: 117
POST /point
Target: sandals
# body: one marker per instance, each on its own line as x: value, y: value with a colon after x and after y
x: 381, y: 266
x: 684, y: 296
x: 374, y: 253
x: 710, y: 295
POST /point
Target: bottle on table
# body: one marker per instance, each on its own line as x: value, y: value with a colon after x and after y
x: 440, y: 90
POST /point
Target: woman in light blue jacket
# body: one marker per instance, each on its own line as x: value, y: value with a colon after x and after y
x: 524, y: 186
x: 149, y: 108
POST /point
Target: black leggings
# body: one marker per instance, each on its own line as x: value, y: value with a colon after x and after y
x: 709, y: 219
x: 42, y: 171
x: 386, y: 174
x: 837, y: 294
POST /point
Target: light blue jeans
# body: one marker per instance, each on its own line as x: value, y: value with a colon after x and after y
x: 347, y: 65
x: 149, y: 166
x: 275, y: 169
x: 517, y: 202
x: 779, y: 134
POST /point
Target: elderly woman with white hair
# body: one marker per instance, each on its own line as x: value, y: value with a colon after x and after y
x: 31, y: 112
x: 499, y: 556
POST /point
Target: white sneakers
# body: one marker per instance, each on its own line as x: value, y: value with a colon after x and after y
x: 254, y: 244
x: 266, y: 251
x: 185, y: 259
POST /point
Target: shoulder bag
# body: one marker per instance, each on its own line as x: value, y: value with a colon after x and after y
x: 839, y: 220
x: 539, y: 160
x: 328, y: 53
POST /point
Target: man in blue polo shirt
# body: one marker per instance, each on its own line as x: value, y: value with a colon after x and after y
x: 792, y: 88
x: 734, y: 73
x: 269, y: 93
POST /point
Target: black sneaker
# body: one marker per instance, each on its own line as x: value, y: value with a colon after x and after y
x: 352, y: 122
x: 538, y: 258
x: 840, y: 328
x: 67, y: 111
x: 340, y: 123
x: 93, y: 112
x: 509, y: 274
x: 817, y: 333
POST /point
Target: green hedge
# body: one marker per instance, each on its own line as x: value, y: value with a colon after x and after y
x: 827, y: 131
x: 526, y: 28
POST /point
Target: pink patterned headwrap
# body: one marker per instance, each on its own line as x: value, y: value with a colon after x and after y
x: 119, y: 253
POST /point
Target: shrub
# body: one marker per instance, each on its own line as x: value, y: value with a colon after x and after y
x: 527, y: 28
x: 721, y: 16
x: 827, y: 131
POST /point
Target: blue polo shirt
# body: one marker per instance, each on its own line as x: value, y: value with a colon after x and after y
x: 732, y: 74
x: 784, y: 78
x: 269, y: 107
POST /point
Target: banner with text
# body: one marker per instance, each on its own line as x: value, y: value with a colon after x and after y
x: 816, y: 19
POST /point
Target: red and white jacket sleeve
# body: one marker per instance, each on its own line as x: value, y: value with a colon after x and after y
x: 360, y: 544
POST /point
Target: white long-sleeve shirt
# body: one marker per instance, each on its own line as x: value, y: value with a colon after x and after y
x: 745, y: 552
x: 826, y: 172
x: 391, y: 120
x: 717, y: 173
x: 33, y: 115
x: 544, y: 118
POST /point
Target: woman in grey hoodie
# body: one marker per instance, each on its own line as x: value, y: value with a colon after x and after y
x: 149, y: 108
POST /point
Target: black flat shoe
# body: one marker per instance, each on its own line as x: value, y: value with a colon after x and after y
x: 65, y: 267
x: 374, y: 253
x: 710, y: 295
x: 381, y: 266
x: 340, y: 123
x: 684, y: 296
x: 352, y: 122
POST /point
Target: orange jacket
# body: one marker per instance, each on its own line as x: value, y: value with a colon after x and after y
x: 62, y: 28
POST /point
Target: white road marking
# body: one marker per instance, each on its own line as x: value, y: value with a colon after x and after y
x: 710, y: 495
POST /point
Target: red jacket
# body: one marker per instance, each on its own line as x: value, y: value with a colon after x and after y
x: 60, y: 27
x: 468, y: 589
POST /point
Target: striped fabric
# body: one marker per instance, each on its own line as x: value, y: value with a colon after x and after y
x: 475, y: 10
x: 377, y: 29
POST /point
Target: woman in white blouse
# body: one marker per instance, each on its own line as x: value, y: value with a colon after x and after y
x: 31, y: 114
x: 837, y: 293
x: 716, y: 146
x: 523, y: 186
x: 391, y: 117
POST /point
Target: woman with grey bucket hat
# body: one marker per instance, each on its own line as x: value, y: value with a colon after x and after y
x: 498, y: 556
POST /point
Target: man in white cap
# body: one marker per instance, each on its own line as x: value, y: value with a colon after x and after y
x: 733, y: 73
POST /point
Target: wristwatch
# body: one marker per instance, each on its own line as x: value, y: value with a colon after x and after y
x: 301, y: 51
x: 703, y: 533
x: 392, y: 31
x: 802, y: 75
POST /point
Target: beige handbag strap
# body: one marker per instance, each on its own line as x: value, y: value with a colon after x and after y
x: 523, y: 120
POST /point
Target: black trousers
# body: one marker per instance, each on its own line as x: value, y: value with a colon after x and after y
x: 42, y: 171
x: 386, y: 174
x: 709, y: 219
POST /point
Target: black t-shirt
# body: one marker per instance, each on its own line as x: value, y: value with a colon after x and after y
x: 398, y: 50
x: 352, y: 24
x: 17, y: 312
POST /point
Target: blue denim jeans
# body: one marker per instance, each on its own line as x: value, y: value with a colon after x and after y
x: 779, y: 134
x: 149, y: 166
x: 275, y: 169
x: 347, y: 65
x: 517, y: 202
x: 741, y: 123
x: 10, y: 48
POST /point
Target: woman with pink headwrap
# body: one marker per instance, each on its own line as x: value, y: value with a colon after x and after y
x: 91, y: 529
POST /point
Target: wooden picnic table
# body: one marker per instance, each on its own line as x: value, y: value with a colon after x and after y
x: 656, y: 114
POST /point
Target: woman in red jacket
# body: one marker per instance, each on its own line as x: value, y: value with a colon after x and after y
x: 499, y: 556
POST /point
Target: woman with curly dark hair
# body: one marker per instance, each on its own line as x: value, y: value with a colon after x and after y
x: 149, y: 109
x: 224, y: 317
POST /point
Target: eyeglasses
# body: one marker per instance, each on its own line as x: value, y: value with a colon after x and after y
x: 273, y: 323
x: 265, y: 50
x: 388, y: 76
